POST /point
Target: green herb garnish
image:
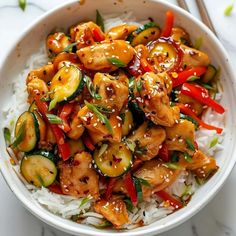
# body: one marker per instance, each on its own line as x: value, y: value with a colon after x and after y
x: 198, y: 43
x: 190, y: 145
x: 53, y: 119
x: 139, y: 85
x: 131, y: 144
x: 141, y: 150
x: 99, y: 20
x: 116, y: 62
x: 207, y: 86
x: 228, y: 9
x: 172, y: 166
x: 104, y: 224
x: 129, y: 205
x: 91, y: 88
x: 104, y: 109
x: 100, y: 116
x: 174, y: 157
x: 20, y: 135
x: 138, y: 188
x: 122, y: 116
x: 143, y: 182
x: 189, y: 118
x: 84, y: 201
x: 69, y: 47
x: 213, y: 142
x: 187, y: 157
x: 7, y: 135
x: 22, y: 4
x: 193, y: 78
x: 102, y: 149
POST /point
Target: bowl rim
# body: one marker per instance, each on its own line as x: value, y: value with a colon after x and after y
x: 50, y: 219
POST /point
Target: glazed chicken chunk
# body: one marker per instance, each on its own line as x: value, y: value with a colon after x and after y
x: 78, y: 178
x: 151, y: 96
x: 114, y: 210
x: 148, y: 141
x: 120, y: 31
x: 96, y: 57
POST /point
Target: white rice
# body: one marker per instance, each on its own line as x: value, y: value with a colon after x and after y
x: 66, y: 206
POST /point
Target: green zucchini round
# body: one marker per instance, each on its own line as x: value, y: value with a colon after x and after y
x: 115, y: 161
x: 39, y: 169
x: 31, y: 132
x: 66, y: 85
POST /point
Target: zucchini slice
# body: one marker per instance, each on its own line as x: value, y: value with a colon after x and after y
x: 31, y: 134
x: 210, y: 74
x: 127, y: 122
x: 39, y: 169
x: 66, y: 85
x: 33, y: 107
x: 115, y: 161
x: 144, y: 34
x: 76, y: 146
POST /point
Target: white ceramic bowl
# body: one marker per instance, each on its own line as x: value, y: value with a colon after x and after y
x: 71, y: 13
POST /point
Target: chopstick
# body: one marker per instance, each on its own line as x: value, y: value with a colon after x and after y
x: 183, y: 5
x: 205, y: 16
x: 203, y: 13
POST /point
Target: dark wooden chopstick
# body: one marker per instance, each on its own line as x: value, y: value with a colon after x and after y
x: 203, y: 13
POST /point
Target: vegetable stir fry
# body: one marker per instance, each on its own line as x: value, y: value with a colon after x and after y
x: 117, y: 109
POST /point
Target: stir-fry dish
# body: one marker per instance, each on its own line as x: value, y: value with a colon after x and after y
x: 112, y: 116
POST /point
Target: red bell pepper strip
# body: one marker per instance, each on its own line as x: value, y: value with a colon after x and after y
x: 55, y: 188
x: 187, y: 111
x: 130, y: 187
x: 65, y: 112
x: 201, y: 94
x: 164, y: 153
x: 97, y: 35
x: 166, y: 32
x: 184, y: 75
x: 63, y: 146
x: 145, y: 65
x: 88, y: 142
x: 168, y: 198
x: 110, y: 186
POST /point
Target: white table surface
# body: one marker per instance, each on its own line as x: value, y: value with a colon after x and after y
x: 216, y: 219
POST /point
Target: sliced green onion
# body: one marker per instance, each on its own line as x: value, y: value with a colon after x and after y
x: 190, y: 145
x: 122, y: 116
x: 138, y: 188
x: 52, y: 104
x: 104, y: 109
x: 104, y: 224
x: 53, y: 119
x: 174, y: 157
x: 172, y: 166
x: 7, y: 135
x: 91, y: 88
x: 84, y: 201
x: 22, y: 4
x: 116, y: 62
x: 69, y: 47
x: 198, y: 43
x: 187, y: 157
x: 207, y: 86
x: 143, y: 182
x: 131, y: 144
x: 193, y: 78
x: 213, y: 142
x: 99, y: 20
x: 189, y: 118
x: 199, y: 181
x: 129, y: 205
x: 100, y: 116
x: 20, y: 135
x: 102, y: 149
x: 141, y: 150
x: 139, y: 86
x: 228, y: 9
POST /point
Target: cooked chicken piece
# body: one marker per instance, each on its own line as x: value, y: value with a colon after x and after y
x: 45, y: 73
x: 196, y: 106
x: 78, y: 178
x: 57, y: 42
x: 77, y: 128
x: 96, y: 57
x: 36, y: 84
x: 112, y: 89
x: 194, y: 57
x: 202, y: 165
x: 179, y: 135
x: 180, y: 35
x: 151, y: 95
x: 141, y: 51
x: 120, y: 31
x: 114, y: 210
x: 148, y: 141
x: 83, y: 33
x: 94, y: 125
x: 157, y: 175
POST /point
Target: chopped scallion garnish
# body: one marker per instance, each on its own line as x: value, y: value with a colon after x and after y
x: 116, y: 62
x: 53, y: 119
x: 20, y: 135
x: 99, y: 20
x: 190, y: 145
x: 228, y: 9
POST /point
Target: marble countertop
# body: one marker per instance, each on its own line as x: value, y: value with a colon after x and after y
x: 217, y: 218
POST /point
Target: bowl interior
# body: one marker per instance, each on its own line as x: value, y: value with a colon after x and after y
x: 72, y: 13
